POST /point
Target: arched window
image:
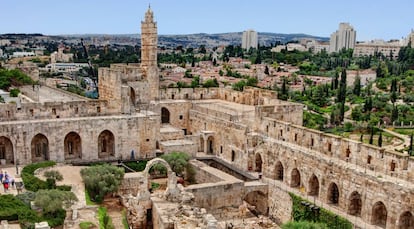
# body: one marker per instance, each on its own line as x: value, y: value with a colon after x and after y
x: 73, y: 146
x: 106, y: 144
x: 379, y: 214
x: 165, y: 115
x: 313, y: 186
x: 40, y: 148
x: 333, y: 194
x: 279, y: 171
x: 295, y: 178
x: 355, y: 204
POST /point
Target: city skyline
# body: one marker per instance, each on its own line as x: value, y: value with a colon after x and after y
x: 383, y: 19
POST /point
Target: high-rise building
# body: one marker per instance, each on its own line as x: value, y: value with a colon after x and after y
x: 344, y: 37
x: 249, y: 39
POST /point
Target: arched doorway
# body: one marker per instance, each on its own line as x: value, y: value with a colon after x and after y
x: 355, y: 204
x: 210, y: 145
x: 106, y: 144
x: 132, y: 96
x: 165, y: 115
x: 39, y: 148
x: 258, y: 163
x: 279, y: 171
x: 257, y: 199
x: 295, y: 178
x: 333, y: 194
x: 6, y: 150
x: 379, y: 214
x: 73, y: 146
x: 406, y: 221
x: 313, y: 186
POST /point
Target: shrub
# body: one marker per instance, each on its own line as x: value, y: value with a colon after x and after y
x: 31, y: 182
x: 304, y: 225
x: 101, y: 180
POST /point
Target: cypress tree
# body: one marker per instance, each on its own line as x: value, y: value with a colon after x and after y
x: 380, y: 139
x: 371, y: 137
x: 410, y: 148
x: 357, y: 85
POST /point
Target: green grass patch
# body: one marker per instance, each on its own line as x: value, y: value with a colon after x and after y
x: 304, y: 225
x: 404, y: 131
x: 87, y: 225
x: 105, y: 221
x: 124, y: 219
x: 88, y: 198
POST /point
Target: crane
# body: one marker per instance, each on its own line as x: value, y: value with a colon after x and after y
x: 91, y: 72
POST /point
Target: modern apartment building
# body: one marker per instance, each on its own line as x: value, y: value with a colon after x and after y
x: 344, y: 37
x: 249, y: 39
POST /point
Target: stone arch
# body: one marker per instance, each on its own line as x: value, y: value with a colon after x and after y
x: 172, y: 179
x: 106, y: 144
x: 73, y: 146
x: 355, y: 204
x: 279, y: 171
x: 379, y: 214
x: 165, y: 115
x: 406, y: 221
x: 259, y: 200
x: 333, y: 194
x: 295, y: 178
x: 210, y: 145
x: 258, y: 162
x: 313, y: 186
x: 39, y: 148
x: 6, y: 150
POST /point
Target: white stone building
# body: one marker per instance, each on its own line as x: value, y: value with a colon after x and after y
x: 344, y: 37
x: 249, y: 39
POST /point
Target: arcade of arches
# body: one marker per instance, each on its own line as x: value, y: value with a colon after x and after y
x: 72, y: 146
x: 354, y: 205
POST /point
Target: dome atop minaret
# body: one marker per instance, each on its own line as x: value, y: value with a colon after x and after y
x: 149, y: 15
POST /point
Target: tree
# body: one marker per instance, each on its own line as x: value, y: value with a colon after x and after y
x: 177, y: 160
x: 266, y: 71
x: 318, y: 96
x: 380, y: 139
x: 371, y: 137
x: 357, y: 85
x: 211, y: 83
x: 101, y: 180
x: 283, y: 92
x: 52, y: 200
x: 51, y: 177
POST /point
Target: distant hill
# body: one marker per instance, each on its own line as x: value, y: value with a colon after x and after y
x: 211, y: 40
x: 187, y: 40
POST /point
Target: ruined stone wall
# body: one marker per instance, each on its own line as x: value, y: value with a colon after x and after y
x: 279, y: 202
x: 86, y: 141
x: 314, y: 174
x: 211, y: 195
x: 366, y: 157
x: 178, y: 112
x: 147, y: 135
x: 189, y: 93
x: 109, y: 86
x: 53, y: 110
x: 132, y: 184
x: 228, y: 137
x: 203, y: 175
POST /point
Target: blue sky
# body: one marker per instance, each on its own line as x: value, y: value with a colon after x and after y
x: 373, y: 19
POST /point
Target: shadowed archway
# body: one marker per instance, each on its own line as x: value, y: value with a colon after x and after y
x: 6, y: 150
x: 106, y: 144
x: 406, y: 221
x: 279, y: 171
x: 295, y: 178
x: 379, y: 215
x: 313, y: 186
x: 333, y: 194
x: 40, y: 148
x: 165, y: 115
x: 73, y: 146
x: 355, y: 204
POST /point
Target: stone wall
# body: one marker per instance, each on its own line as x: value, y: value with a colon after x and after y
x: 279, y: 202
x: 51, y: 134
x: 132, y: 184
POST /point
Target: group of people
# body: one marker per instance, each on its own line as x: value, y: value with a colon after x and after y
x: 6, y: 180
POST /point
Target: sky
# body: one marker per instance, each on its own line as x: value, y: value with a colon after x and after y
x: 372, y: 19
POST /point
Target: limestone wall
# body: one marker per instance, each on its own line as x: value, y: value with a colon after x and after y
x: 280, y: 203
x: 132, y: 184
x: 189, y: 93
x: 84, y: 147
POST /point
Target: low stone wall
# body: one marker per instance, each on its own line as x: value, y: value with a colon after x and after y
x: 131, y: 184
x: 202, y: 175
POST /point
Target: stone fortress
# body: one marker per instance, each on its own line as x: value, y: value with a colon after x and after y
x: 250, y: 131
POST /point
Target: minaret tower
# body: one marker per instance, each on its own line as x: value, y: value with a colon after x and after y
x: 149, y: 41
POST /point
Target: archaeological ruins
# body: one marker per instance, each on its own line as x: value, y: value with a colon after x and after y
x: 251, y: 132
